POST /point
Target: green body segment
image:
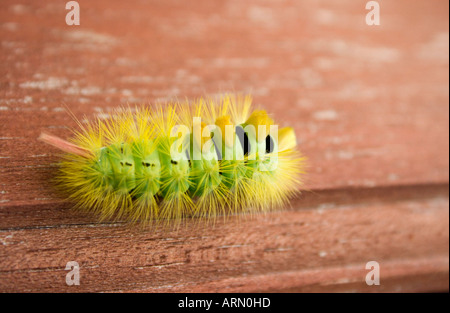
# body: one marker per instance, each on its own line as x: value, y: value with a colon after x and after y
x: 121, y: 158
x: 174, y: 175
x: 103, y: 167
x: 234, y: 167
x: 147, y: 168
x: 205, y: 173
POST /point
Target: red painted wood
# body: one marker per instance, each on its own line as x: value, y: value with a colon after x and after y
x: 369, y: 105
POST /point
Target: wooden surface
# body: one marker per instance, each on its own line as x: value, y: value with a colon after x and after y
x: 370, y: 106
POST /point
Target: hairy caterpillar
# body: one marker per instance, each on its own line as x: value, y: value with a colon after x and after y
x: 169, y: 161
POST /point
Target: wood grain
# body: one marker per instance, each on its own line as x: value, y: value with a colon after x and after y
x: 369, y: 105
x: 297, y: 240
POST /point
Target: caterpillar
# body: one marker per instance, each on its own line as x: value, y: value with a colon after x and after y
x: 168, y: 161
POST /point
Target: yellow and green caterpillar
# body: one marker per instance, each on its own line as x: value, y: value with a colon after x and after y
x: 207, y: 158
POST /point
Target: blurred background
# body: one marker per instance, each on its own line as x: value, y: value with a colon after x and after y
x: 369, y: 103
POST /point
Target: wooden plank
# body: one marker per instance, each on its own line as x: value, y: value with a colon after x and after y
x: 51, y: 213
x: 292, y: 241
x: 369, y: 106
x: 415, y: 276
